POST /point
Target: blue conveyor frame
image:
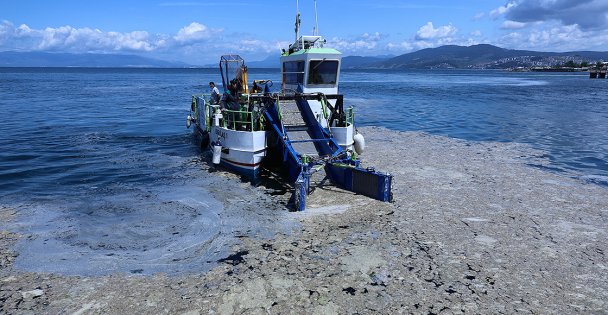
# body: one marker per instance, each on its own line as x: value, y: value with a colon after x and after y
x: 342, y: 169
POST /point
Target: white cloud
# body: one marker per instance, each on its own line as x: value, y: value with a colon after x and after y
x: 372, y: 37
x: 502, y: 10
x: 413, y: 45
x: 587, y: 14
x: 429, y: 32
x: 359, y: 45
x: 250, y: 45
x: 554, y: 37
x: 479, y: 16
x: 186, y: 44
x: 430, y: 37
x: 67, y: 38
x: 195, y: 32
x: 70, y: 39
x: 348, y: 46
x: 512, y: 25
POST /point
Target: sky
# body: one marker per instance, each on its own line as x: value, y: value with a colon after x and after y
x: 198, y: 32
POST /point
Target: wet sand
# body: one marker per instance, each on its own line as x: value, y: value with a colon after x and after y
x: 475, y: 228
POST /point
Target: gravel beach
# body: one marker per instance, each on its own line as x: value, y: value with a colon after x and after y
x: 475, y: 228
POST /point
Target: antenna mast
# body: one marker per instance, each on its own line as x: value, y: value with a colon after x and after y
x: 297, y: 20
x: 316, y: 31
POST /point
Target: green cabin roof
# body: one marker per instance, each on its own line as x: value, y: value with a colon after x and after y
x: 329, y: 51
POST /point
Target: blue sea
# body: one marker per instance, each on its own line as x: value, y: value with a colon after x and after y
x: 103, y: 173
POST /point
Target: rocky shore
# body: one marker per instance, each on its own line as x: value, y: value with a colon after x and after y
x: 476, y: 228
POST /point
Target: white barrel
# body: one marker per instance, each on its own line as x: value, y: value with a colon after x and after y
x: 217, y: 153
x: 359, y: 143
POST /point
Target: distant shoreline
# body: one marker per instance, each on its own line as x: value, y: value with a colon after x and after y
x: 480, y: 57
x: 260, y: 68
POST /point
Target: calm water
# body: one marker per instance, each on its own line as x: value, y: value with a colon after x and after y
x: 101, y: 167
x: 564, y: 114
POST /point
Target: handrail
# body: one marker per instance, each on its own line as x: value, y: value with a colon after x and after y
x: 280, y: 115
x: 234, y: 118
x: 253, y: 119
x: 324, y: 102
x: 350, y: 115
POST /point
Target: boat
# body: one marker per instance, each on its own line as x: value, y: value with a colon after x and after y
x: 300, y: 129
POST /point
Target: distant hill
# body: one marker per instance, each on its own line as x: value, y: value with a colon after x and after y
x: 46, y: 59
x: 459, y: 57
x: 482, y: 57
x: 444, y: 57
x: 350, y: 62
x: 271, y: 61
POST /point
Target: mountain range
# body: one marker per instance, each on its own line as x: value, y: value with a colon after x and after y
x: 473, y: 57
x: 445, y: 57
x: 48, y: 59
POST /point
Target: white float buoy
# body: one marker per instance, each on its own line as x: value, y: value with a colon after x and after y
x: 188, y: 121
x: 216, y: 118
x: 217, y: 152
x: 359, y: 143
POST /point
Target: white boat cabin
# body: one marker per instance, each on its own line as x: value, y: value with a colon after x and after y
x: 307, y: 67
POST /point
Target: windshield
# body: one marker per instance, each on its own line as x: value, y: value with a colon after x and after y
x: 293, y: 72
x: 323, y: 72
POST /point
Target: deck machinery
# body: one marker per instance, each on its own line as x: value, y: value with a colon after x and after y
x: 341, y: 166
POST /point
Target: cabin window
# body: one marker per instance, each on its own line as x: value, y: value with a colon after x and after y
x: 293, y: 72
x: 323, y: 72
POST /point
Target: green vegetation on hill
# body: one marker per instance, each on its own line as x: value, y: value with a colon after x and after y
x: 477, y: 57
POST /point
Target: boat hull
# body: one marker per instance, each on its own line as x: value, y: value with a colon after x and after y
x: 242, y: 151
